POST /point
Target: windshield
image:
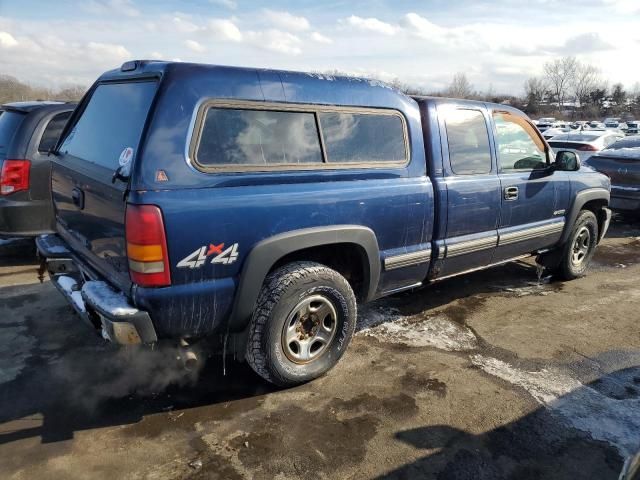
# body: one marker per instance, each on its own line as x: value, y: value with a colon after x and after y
x: 10, y: 121
x: 111, y: 124
x: 626, y: 143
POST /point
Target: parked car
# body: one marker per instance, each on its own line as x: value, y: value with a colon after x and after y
x: 545, y: 123
x: 262, y: 205
x: 633, y: 127
x: 554, y: 132
x: 597, y: 125
x: 621, y: 163
x: 28, y: 130
x: 586, y: 143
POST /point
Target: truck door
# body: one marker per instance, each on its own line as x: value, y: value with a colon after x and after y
x: 472, y: 186
x: 534, y: 197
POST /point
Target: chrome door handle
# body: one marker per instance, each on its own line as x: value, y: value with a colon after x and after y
x: 511, y: 193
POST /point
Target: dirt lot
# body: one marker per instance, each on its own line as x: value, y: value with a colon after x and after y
x: 492, y: 375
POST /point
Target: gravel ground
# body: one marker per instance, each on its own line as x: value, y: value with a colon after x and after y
x: 492, y: 375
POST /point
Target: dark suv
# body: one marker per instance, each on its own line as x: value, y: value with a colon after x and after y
x: 28, y: 130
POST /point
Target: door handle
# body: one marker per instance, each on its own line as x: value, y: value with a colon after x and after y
x: 77, y: 197
x: 511, y: 193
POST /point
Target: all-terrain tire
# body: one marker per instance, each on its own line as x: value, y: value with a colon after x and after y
x: 279, y: 302
x: 580, y: 247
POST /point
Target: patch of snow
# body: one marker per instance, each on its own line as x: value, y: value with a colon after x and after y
x: 614, y: 421
x: 67, y: 283
x: 625, y: 188
x: 631, y: 152
x: 437, y: 332
x: 58, y: 249
x: 115, y: 303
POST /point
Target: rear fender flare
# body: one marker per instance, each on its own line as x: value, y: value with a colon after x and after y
x: 267, y: 252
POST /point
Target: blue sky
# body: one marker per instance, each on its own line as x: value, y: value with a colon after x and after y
x: 497, y: 44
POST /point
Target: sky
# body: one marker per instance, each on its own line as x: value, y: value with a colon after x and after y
x: 496, y: 44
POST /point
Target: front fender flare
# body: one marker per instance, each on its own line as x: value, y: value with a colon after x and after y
x: 581, y: 199
x: 267, y: 252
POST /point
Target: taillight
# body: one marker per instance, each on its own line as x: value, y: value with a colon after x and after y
x: 587, y: 148
x: 147, y: 246
x: 14, y: 176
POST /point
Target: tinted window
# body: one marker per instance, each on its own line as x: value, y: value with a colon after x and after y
x: 363, y: 138
x: 9, y: 123
x: 111, y: 122
x: 519, y: 147
x: 469, y: 151
x: 52, y: 132
x: 258, y: 137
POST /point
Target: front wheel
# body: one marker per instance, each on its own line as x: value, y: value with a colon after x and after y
x: 304, y: 319
x: 580, y: 247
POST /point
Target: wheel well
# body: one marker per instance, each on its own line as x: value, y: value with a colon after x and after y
x: 596, y: 206
x: 348, y: 259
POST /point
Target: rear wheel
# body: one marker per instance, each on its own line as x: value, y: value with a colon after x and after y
x: 578, y: 251
x: 303, y: 322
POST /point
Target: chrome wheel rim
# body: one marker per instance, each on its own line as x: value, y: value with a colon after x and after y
x: 309, y: 329
x: 581, y: 246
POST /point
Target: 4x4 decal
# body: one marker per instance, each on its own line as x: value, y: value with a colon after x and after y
x: 197, y: 258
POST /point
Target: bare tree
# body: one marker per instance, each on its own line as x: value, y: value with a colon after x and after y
x: 460, y: 87
x: 13, y: 90
x: 587, y: 79
x: 561, y: 73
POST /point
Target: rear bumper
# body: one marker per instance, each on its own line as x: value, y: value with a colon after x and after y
x: 25, y: 218
x: 189, y: 310
x: 101, y: 307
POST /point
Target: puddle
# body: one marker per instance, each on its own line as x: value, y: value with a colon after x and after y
x: 589, y: 408
x: 542, y: 287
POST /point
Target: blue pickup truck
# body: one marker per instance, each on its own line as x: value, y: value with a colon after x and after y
x: 260, y: 206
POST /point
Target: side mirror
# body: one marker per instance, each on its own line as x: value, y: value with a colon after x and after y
x: 567, y: 161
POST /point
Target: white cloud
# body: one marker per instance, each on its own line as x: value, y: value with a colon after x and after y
x: 183, y: 23
x: 231, y: 4
x: 102, y: 7
x: 194, y: 46
x: 225, y: 30
x: 7, y: 40
x: 108, y: 51
x: 585, y: 43
x: 624, y: 6
x: 286, y: 20
x: 422, y: 27
x: 276, y: 41
x: 318, y: 37
x: 371, y: 24
x: 156, y: 56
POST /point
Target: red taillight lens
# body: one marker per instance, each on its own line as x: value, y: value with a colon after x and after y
x: 587, y: 148
x: 14, y: 176
x: 147, y: 246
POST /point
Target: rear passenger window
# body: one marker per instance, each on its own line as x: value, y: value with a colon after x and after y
x: 469, y: 151
x: 258, y: 138
x: 519, y: 147
x: 362, y: 137
x: 52, y: 132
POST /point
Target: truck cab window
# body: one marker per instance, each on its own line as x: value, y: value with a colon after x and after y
x: 469, y: 151
x: 519, y: 147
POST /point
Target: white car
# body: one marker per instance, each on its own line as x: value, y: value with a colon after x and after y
x: 553, y: 132
x: 585, y: 143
